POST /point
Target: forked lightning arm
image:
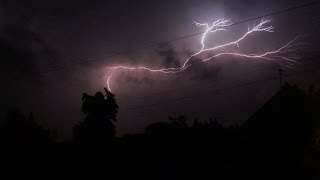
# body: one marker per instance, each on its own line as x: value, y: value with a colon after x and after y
x: 220, y: 25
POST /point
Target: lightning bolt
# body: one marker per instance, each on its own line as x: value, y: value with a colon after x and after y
x: 108, y: 83
x: 277, y: 55
x: 267, y: 56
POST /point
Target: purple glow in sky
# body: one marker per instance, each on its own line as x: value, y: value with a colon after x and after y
x: 74, y: 43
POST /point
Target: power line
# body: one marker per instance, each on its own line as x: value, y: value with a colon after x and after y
x: 238, y: 75
x: 274, y: 13
x: 193, y: 85
x: 61, y: 67
x: 251, y: 19
x: 222, y: 89
x: 216, y: 90
x: 316, y: 69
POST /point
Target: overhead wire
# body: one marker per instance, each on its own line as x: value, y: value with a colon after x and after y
x: 61, y: 67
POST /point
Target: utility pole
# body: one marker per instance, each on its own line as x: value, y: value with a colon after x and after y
x: 281, y: 80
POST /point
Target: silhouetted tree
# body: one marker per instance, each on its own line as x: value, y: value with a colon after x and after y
x: 101, y: 112
x: 176, y: 126
x: 196, y: 124
x: 179, y: 122
x: 316, y: 140
x: 17, y: 129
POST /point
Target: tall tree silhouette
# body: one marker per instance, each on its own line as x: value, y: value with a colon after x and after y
x: 98, y: 125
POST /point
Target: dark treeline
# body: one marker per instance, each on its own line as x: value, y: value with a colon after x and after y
x: 280, y: 140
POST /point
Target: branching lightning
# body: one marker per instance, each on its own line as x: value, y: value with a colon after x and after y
x: 277, y: 55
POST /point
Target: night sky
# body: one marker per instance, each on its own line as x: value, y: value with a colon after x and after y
x: 59, y: 49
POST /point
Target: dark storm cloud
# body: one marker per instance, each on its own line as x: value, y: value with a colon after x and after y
x: 138, y: 80
x: 25, y: 51
x: 205, y: 72
x: 17, y: 61
x: 21, y: 12
x: 169, y: 56
x: 20, y: 52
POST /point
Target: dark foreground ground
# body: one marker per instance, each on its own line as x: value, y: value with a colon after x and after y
x: 280, y: 141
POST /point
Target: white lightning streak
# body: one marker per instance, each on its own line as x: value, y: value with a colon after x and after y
x: 258, y: 28
x: 108, y: 83
x: 266, y: 56
x: 220, y: 25
x: 163, y: 70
